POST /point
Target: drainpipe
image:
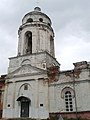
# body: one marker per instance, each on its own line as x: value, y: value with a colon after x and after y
x: 75, y: 95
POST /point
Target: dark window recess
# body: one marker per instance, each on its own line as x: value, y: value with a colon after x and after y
x: 8, y: 105
x: 49, y: 24
x: 67, y: 109
x: 40, y: 19
x: 71, y: 106
x: 66, y: 96
x: 0, y: 114
x: 41, y: 105
x: 68, y: 101
x: 67, y: 106
x: 70, y: 96
x: 38, y: 25
x: 28, y: 42
x: 29, y: 20
x: 43, y: 65
x: 71, y: 109
x: 25, y: 87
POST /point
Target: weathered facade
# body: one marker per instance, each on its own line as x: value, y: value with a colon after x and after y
x: 34, y: 86
x: 2, y: 88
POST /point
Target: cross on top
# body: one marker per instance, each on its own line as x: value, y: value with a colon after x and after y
x: 37, y: 2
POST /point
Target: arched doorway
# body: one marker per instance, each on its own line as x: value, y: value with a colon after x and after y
x: 24, y: 108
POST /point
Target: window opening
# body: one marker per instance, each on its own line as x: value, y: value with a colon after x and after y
x: 41, y: 105
x: 68, y: 101
x: 40, y: 19
x: 28, y: 42
x: 8, y: 105
x: 51, y: 45
x: 25, y: 87
x: 29, y: 20
x: 49, y: 24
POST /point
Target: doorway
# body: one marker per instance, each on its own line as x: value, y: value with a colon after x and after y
x: 24, y: 109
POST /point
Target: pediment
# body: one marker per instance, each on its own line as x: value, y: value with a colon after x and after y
x: 26, y: 69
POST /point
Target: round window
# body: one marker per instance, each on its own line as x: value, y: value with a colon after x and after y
x: 40, y: 19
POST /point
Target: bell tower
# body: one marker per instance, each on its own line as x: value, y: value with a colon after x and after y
x: 36, y: 34
x: 26, y: 89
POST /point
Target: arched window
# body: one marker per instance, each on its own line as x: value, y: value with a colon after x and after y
x: 29, y: 20
x: 51, y: 45
x: 28, y: 42
x: 68, y: 101
x: 26, y: 87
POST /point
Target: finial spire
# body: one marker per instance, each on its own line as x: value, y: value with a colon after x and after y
x: 37, y: 2
x: 37, y: 9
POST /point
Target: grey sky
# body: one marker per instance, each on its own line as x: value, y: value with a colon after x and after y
x: 71, y: 23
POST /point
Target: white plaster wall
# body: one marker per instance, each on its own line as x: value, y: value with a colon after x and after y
x: 56, y: 102
x: 36, y: 60
x: 83, y: 96
x: 43, y: 99
x: 40, y: 39
x: 82, y: 88
x: 9, y: 100
x: 84, y: 75
x: 38, y: 94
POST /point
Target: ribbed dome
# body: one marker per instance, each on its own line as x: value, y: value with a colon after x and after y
x: 35, y: 16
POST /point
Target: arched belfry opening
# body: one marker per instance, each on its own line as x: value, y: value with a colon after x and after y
x: 28, y: 42
x: 52, y: 45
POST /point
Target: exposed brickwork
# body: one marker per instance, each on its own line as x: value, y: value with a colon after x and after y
x: 82, y: 115
x: 53, y: 73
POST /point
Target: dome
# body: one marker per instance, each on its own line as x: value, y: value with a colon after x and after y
x: 36, y: 16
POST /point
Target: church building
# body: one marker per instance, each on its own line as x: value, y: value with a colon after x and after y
x: 34, y: 86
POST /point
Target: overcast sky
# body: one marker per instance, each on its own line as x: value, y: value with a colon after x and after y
x: 71, y: 24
